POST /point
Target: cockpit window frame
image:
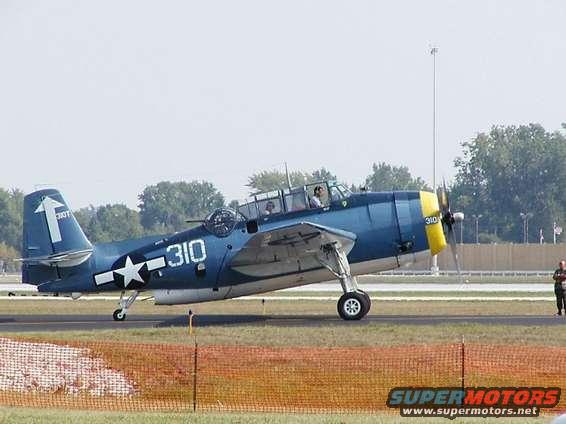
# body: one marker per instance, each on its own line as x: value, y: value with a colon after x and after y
x: 310, y: 193
x: 290, y: 200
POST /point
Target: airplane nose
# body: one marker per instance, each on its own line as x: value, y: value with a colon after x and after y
x: 432, y: 222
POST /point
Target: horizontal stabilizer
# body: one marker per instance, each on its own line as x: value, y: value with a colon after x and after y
x: 62, y: 259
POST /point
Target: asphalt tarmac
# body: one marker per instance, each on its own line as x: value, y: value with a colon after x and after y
x: 28, y: 323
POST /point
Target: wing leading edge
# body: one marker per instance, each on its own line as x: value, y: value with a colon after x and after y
x: 289, y: 249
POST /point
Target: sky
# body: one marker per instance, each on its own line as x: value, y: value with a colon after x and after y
x: 102, y: 98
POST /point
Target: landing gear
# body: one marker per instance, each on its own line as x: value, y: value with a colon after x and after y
x: 368, y: 299
x: 354, y: 304
x: 125, y: 303
x: 119, y: 315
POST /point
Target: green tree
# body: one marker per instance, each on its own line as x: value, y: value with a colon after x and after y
x: 11, y: 217
x: 507, y: 171
x: 84, y: 216
x: 385, y: 177
x: 274, y: 180
x: 322, y: 174
x: 164, y: 207
x: 110, y: 223
x: 7, y: 258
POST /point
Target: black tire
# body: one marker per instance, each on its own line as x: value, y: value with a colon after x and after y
x: 118, y: 315
x: 368, y: 305
x: 353, y: 306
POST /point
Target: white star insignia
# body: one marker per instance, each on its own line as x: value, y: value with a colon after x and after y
x: 130, y: 271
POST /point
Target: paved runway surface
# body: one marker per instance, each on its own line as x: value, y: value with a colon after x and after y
x: 422, y: 286
x: 26, y: 323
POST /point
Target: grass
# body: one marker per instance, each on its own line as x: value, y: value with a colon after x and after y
x: 374, y: 334
x: 32, y: 416
x: 330, y: 335
x: 342, y: 334
x: 29, y: 305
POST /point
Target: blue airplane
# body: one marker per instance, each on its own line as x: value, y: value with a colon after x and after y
x: 281, y: 239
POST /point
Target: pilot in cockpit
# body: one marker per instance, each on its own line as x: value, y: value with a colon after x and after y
x: 316, y: 200
x: 269, y: 208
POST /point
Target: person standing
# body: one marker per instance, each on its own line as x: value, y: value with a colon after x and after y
x: 559, y: 278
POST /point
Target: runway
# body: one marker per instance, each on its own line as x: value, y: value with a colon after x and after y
x: 376, y: 287
x: 42, y: 323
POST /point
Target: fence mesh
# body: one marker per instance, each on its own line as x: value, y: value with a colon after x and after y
x: 165, y: 377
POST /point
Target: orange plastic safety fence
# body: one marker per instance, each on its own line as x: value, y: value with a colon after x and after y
x: 317, y: 379
x: 96, y: 375
x: 149, y: 377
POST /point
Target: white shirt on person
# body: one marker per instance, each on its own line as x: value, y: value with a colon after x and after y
x: 315, y: 202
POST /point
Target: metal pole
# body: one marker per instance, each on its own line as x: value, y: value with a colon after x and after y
x: 524, y: 230
x: 195, y: 358
x: 527, y: 231
x: 477, y: 229
x: 433, y: 51
x: 288, y: 177
x: 463, y: 358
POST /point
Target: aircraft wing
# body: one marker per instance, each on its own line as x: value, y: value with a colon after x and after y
x: 287, y: 249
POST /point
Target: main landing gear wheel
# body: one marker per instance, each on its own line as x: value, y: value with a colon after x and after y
x: 353, y: 306
x: 119, y: 315
x: 367, y: 298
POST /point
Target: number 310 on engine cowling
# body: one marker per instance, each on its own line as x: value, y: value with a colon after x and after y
x: 184, y: 253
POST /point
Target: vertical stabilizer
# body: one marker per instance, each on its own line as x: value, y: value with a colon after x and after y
x: 50, y: 232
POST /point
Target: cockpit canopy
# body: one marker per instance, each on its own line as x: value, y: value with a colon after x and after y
x: 294, y: 199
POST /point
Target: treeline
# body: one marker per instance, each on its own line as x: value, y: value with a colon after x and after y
x: 509, y: 171
x: 501, y: 174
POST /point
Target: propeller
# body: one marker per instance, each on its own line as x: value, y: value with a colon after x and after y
x: 448, y: 219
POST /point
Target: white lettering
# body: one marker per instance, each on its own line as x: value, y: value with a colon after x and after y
x: 202, y: 249
x: 62, y: 215
x: 187, y: 252
x: 178, y: 255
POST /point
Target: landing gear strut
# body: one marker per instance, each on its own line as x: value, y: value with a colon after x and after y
x: 354, y: 304
x: 125, y: 303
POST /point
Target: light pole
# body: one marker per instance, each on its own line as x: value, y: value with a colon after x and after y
x: 477, y: 218
x: 433, y: 51
x: 525, y: 216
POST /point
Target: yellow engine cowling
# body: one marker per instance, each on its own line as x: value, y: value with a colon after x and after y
x: 433, y: 224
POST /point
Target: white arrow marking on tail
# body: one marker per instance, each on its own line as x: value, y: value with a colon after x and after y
x: 48, y: 205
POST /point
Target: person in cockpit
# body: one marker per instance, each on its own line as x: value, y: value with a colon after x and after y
x: 269, y: 207
x: 316, y: 200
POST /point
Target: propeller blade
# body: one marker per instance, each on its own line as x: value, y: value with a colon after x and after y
x: 454, y: 249
x: 445, y: 194
x: 448, y: 220
x: 443, y: 199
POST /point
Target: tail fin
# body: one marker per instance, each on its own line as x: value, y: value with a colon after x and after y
x: 52, y: 237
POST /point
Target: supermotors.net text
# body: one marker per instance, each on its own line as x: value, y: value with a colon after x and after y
x: 452, y: 402
x: 470, y: 412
